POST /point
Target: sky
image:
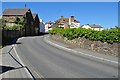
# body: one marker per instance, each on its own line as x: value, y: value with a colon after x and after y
x: 60, y: 0
x: 102, y: 13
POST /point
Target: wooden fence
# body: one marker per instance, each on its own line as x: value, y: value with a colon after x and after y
x: 12, y: 33
x: 9, y: 35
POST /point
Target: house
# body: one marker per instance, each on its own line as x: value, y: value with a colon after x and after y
x: 66, y: 23
x: 10, y: 16
x: 36, y: 24
x: 0, y: 17
x: 48, y: 26
x: 42, y: 26
x: 93, y: 27
x: 74, y: 23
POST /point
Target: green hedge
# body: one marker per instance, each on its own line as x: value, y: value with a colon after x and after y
x: 110, y: 36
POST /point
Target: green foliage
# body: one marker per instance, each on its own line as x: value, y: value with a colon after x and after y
x: 0, y: 46
x: 2, y: 23
x: 17, y: 20
x: 11, y: 27
x: 14, y: 27
x: 110, y: 36
x: 20, y: 22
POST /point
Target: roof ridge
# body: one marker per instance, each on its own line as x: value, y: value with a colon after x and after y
x: 15, y: 11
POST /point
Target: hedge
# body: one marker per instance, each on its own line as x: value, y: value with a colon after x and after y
x: 110, y: 36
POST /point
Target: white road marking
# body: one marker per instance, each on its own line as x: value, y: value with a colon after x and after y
x: 21, y: 62
x: 17, y: 54
x: 40, y: 76
x: 79, y: 52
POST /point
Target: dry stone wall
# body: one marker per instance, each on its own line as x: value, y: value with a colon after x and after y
x: 98, y: 46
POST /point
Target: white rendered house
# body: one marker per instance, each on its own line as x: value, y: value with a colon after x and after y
x: 74, y: 23
x: 93, y: 27
x: 42, y: 26
x: 48, y: 26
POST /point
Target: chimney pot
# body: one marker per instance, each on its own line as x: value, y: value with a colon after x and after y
x: 61, y: 16
x: 72, y: 18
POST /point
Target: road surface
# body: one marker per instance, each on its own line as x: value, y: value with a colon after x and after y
x: 52, y: 62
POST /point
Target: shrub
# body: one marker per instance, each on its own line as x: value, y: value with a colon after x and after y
x: 110, y: 36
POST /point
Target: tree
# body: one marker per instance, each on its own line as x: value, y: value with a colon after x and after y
x: 20, y: 22
x: 117, y: 27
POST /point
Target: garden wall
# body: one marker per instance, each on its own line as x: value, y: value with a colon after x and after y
x: 12, y: 33
x: 9, y: 35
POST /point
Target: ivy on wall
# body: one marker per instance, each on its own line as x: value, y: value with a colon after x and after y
x: 19, y: 24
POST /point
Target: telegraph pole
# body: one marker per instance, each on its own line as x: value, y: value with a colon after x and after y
x: 25, y: 5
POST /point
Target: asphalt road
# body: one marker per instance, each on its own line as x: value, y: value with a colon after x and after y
x: 52, y: 62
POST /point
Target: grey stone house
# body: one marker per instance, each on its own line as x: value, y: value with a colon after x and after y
x: 36, y: 24
x: 9, y: 15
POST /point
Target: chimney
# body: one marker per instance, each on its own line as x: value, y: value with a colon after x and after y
x: 72, y: 18
x: 25, y: 5
x: 61, y: 16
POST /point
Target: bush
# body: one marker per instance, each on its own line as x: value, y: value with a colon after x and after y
x: 110, y: 36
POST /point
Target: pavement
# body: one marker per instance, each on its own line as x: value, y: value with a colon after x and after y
x: 11, y: 66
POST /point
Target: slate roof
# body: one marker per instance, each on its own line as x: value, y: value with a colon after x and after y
x: 54, y: 25
x: 49, y: 22
x: 95, y: 26
x: 76, y: 21
x: 18, y: 11
x: 62, y: 20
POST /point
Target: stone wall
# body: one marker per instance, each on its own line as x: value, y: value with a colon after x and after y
x: 98, y: 46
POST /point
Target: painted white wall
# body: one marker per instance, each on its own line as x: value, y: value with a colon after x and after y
x: 42, y: 26
x: 61, y: 25
x: 69, y: 21
x: 101, y: 29
x: 98, y: 29
x: 74, y: 24
x: 78, y: 24
x: 47, y: 27
x: 88, y: 27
